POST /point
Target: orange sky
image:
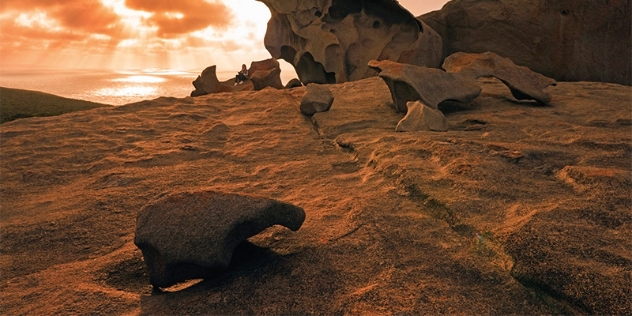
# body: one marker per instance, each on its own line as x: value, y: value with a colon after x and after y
x: 138, y: 34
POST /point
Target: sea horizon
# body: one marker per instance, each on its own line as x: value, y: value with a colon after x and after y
x: 107, y: 86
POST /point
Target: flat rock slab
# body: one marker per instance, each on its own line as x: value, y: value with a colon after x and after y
x: 192, y: 235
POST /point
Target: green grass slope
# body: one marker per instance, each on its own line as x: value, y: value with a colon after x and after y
x: 16, y: 103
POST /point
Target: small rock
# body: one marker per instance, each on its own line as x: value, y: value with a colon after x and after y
x: 422, y: 118
x: 192, y: 235
x: 318, y: 98
x: 294, y: 83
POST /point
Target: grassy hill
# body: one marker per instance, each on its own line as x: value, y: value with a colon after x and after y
x: 16, y: 103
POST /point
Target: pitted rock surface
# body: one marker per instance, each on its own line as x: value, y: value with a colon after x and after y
x: 193, y: 235
x: 331, y: 41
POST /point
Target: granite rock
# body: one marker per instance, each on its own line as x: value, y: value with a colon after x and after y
x: 191, y: 235
x: 318, y: 98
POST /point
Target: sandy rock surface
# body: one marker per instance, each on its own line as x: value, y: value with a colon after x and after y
x: 517, y: 208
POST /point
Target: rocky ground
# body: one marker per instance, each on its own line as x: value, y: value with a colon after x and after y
x: 517, y: 209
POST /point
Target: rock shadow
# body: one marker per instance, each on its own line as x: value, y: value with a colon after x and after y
x: 258, y: 280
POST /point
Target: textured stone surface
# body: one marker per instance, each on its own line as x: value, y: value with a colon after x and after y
x: 318, y: 98
x: 422, y: 118
x: 429, y: 85
x: 569, y: 40
x: 193, y: 235
x: 523, y: 83
x: 331, y: 41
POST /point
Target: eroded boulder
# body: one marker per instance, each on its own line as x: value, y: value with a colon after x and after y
x: 523, y: 83
x: 265, y: 73
x: 207, y: 83
x: 331, y: 41
x: 192, y: 235
x: 318, y: 98
x: 429, y: 85
x: 422, y: 118
x: 569, y: 40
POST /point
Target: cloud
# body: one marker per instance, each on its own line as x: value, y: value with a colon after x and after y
x: 80, y: 16
x: 174, y: 18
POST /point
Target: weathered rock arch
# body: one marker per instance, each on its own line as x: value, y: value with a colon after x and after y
x: 332, y: 41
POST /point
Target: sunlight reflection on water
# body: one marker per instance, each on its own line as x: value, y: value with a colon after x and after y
x: 140, y: 79
x: 110, y: 87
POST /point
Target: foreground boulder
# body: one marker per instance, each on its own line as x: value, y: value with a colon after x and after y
x: 523, y: 83
x: 569, y: 40
x: 317, y: 99
x: 192, y: 235
x: 331, y: 41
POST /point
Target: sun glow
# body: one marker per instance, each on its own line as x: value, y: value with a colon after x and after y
x: 140, y: 79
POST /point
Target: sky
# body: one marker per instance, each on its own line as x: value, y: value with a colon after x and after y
x: 139, y: 34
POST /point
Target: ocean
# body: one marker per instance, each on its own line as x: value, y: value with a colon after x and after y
x: 107, y: 86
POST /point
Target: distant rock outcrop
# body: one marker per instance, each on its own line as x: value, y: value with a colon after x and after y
x: 263, y: 74
x: 193, y: 235
x: 331, y: 41
x: 569, y: 40
x: 207, y: 83
x: 317, y: 99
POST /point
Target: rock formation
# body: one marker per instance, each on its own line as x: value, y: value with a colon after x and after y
x: 422, y: 118
x: 331, y: 41
x: 264, y: 73
x: 569, y: 40
x: 523, y: 83
x: 207, y: 83
x: 192, y: 235
x: 428, y: 85
x: 317, y: 99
